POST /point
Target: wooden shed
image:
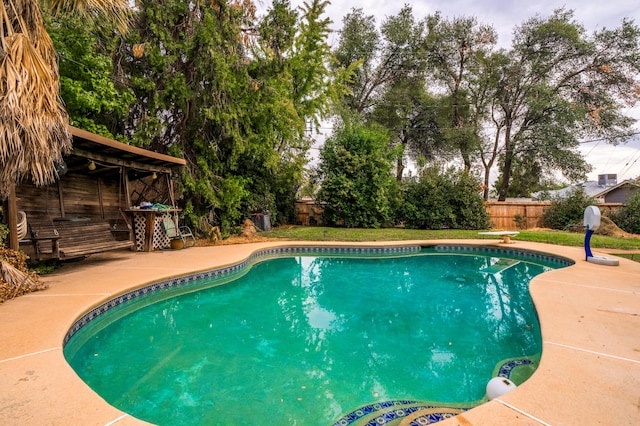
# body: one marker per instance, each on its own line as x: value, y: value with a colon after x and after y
x: 89, y: 208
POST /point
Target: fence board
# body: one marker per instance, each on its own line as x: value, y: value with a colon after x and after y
x: 518, y: 215
x: 506, y: 215
x: 525, y: 215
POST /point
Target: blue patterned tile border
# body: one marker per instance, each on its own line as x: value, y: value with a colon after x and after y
x: 401, y: 413
x: 398, y: 409
x: 361, y: 412
x: 233, y: 269
x: 436, y: 417
x: 506, y: 368
x: 502, y: 251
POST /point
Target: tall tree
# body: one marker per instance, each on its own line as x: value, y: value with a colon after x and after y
x: 388, y: 83
x: 414, y: 119
x: 187, y: 64
x: 232, y: 95
x: 293, y: 68
x: 383, y: 57
x: 455, y: 49
x: 359, y: 44
x: 94, y: 97
x: 558, y: 86
x: 484, y: 102
x: 33, y: 122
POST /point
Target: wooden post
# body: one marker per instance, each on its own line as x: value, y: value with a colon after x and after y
x: 12, y: 219
x: 60, y: 198
x: 100, y: 198
x: 124, y: 186
x: 127, y: 190
x: 150, y: 226
x: 171, y: 193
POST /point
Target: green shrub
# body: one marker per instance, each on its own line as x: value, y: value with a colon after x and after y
x: 567, y: 212
x: 357, y: 181
x: 521, y: 221
x: 628, y: 217
x: 449, y: 200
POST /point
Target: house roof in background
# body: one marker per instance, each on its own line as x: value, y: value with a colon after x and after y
x: 591, y: 189
x: 621, y: 184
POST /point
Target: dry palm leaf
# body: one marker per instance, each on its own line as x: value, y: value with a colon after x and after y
x: 18, y: 281
x: 117, y: 11
x: 15, y: 277
x: 34, y: 133
x: 138, y: 50
x: 34, y: 130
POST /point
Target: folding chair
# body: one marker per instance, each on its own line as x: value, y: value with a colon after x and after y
x: 175, y: 232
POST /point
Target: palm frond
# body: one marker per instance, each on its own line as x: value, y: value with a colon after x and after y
x: 34, y: 130
x: 11, y: 275
x: 116, y: 11
x: 17, y: 281
x: 34, y: 133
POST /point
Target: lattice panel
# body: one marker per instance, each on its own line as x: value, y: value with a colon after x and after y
x: 139, y: 222
x: 160, y: 240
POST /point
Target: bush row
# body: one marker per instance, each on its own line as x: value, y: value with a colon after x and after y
x: 565, y: 213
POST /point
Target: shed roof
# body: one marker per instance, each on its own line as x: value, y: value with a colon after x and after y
x: 88, y: 146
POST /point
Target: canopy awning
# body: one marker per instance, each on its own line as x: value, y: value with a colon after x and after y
x: 88, y: 147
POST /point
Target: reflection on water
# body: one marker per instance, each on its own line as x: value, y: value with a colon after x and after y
x: 303, y: 340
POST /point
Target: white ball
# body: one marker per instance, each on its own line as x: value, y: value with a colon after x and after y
x: 498, y: 386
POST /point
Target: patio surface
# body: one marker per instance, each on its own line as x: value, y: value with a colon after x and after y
x: 589, y: 316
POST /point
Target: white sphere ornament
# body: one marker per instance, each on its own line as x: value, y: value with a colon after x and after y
x: 592, y: 217
x: 498, y: 386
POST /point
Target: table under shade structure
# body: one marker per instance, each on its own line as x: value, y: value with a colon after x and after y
x: 148, y: 229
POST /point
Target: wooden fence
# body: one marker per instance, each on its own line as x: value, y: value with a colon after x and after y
x: 505, y: 215
x: 308, y: 212
x: 516, y: 215
x: 525, y: 215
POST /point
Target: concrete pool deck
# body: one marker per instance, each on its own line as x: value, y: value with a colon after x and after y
x: 589, y: 316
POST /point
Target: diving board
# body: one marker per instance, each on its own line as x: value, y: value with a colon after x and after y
x: 506, y: 235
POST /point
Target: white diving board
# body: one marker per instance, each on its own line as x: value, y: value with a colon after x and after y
x: 506, y: 235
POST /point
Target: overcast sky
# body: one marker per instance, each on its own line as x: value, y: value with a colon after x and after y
x: 505, y: 15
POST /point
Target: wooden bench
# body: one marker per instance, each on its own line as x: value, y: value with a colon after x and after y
x: 506, y: 235
x: 73, y: 238
x: 41, y: 231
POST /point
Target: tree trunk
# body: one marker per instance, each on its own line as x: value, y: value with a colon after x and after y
x: 506, y: 169
x: 466, y: 160
x: 485, y: 189
x: 399, y: 169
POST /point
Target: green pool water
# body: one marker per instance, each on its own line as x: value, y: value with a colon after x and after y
x: 303, y: 340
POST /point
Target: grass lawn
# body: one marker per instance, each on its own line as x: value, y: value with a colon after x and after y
x: 313, y: 233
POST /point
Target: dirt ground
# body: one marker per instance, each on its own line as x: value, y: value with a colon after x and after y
x: 234, y: 239
x: 607, y: 227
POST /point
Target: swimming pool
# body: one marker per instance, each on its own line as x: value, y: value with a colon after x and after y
x: 411, y: 338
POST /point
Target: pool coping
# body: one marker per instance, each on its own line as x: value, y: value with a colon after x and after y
x: 589, y: 315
